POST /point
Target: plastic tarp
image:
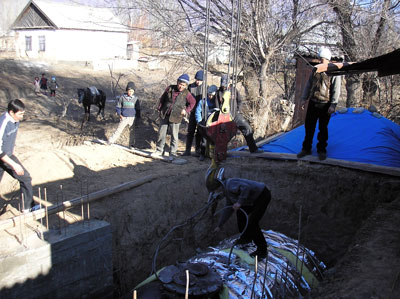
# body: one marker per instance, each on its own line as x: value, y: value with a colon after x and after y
x: 359, y: 137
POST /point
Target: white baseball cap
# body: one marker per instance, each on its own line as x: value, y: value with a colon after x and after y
x: 325, y: 53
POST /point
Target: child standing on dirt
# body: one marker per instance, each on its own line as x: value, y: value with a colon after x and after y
x: 128, y: 107
x: 53, y: 86
x: 37, y: 85
x: 43, y: 84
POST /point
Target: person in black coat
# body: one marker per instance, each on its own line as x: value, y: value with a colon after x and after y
x: 242, y: 196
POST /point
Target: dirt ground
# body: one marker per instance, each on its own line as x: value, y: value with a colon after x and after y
x: 59, y: 158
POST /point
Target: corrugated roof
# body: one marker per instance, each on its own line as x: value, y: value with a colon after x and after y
x: 75, y: 16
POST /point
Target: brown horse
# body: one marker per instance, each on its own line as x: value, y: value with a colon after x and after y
x: 88, y: 98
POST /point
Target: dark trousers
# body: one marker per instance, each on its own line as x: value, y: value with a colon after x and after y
x: 246, y: 130
x: 202, y: 134
x: 317, y: 111
x: 255, y: 212
x: 25, y: 181
x: 192, y: 133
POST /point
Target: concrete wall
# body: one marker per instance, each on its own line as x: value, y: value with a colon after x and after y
x: 75, y: 262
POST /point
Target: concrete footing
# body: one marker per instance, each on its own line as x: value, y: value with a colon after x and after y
x: 73, y: 262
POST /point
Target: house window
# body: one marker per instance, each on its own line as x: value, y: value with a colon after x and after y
x: 42, y: 43
x: 28, y: 43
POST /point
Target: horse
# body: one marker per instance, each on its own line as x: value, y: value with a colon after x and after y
x: 88, y: 96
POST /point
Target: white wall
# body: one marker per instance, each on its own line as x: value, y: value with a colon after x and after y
x: 73, y: 45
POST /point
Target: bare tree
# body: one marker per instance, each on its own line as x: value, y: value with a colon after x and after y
x: 271, y: 31
x: 367, y: 30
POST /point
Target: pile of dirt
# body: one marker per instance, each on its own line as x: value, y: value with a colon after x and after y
x: 349, y: 218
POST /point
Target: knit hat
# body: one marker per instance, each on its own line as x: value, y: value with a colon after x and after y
x: 325, y: 53
x: 212, y: 89
x: 130, y: 85
x: 184, y: 78
x: 224, y: 81
x: 199, y: 75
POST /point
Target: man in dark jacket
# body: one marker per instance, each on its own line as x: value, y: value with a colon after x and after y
x: 175, y: 103
x: 236, y: 108
x: 196, y: 89
x: 9, y: 124
x: 323, y: 93
x: 242, y: 196
x: 128, y: 107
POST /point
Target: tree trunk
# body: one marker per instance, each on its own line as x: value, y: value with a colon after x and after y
x: 352, y: 85
x: 263, y: 79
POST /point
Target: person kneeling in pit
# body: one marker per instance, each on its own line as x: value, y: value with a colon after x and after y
x: 241, y: 194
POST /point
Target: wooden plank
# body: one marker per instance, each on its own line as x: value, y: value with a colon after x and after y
x: 269, y: 139
x: 393, y: 171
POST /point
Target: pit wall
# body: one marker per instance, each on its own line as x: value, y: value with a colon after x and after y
x: 75, y: 262
x: 333, y: 202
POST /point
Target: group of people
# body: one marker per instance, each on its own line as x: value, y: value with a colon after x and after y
x: 179, y: 101
x: 42, y: 85
x: 248, y: 198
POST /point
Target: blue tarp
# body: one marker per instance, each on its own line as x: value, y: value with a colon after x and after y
x: 358, y: 137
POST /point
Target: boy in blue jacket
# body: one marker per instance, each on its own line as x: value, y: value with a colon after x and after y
x: 128, y: 107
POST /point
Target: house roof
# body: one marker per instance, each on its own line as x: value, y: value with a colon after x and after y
x: 41, y: 14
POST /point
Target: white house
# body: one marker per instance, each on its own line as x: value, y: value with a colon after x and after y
x: 57, y: 31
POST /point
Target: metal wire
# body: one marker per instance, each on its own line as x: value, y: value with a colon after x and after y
x: 203, y: 210
x: 205, y: 61
x: 241, y: 233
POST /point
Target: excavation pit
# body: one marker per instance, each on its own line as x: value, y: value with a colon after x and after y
x: 333, y: 210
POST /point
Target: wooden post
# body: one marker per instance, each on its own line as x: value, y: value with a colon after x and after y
x: 187, y: 285
x: 46, y: 212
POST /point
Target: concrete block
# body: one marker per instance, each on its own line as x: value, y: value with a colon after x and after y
x: 75, y: 262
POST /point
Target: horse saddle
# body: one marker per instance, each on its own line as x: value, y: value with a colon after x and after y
x: 94, y: 91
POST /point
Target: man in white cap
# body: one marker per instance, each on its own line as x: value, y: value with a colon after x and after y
x: 175, y: 103
x: 322, y: 92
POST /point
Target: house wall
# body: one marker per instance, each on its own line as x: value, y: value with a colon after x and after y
x: 73, y: 45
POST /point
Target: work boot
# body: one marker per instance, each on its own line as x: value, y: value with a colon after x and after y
x: 251, y: 143
x: 303, y: 153
x: 197, y: 153
x: 260, y: 253
x: 186, y: 153
x: 257, y: 151
x: 321, y: 156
